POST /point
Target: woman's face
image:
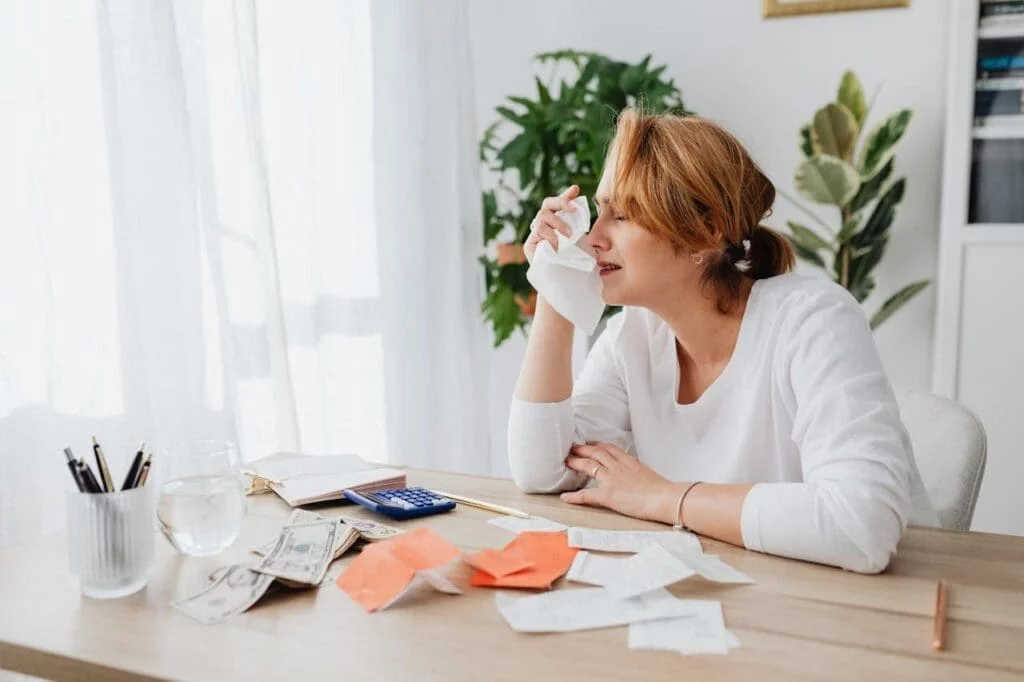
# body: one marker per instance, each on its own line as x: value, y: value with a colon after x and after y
x: 637, y: 268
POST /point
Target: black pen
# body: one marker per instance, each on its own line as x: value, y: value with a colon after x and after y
x: 144, y: 471
x: 133, y: 470
x: 101, y: 465
x: 73, y: 468
x: 85, y: 473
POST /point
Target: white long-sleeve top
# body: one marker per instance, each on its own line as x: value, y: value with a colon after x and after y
x: 803, y: 411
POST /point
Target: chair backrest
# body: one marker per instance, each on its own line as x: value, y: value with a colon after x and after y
x: 950, y: 447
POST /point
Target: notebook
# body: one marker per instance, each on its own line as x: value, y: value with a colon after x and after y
x: 305, y: 479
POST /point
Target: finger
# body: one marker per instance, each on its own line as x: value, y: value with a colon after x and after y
x: 595, y: 452
x: 555, y: 223
x: 588, y: 496
x: 554, y: 204
x: 570, y: 193
x: 584, y: 465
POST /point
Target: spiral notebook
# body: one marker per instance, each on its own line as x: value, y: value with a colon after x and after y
x: 306, y: 479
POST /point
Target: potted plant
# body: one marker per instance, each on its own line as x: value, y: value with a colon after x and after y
x: 541, y: 145
x: 856, y: 179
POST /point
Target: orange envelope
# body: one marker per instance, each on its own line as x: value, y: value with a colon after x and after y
x: 496, y: 563
x: 549, y: 553
x: 383, y: 571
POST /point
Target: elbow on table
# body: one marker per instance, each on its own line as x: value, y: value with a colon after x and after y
x: 533, y: 479
x: 867, y: 529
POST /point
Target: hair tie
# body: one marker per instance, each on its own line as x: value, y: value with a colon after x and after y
x: 739, y: 255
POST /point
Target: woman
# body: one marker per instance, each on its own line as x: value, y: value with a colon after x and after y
x: 754, y: 400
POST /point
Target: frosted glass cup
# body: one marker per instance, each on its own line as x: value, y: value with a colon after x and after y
x: 202, y: 500
x: 110, y: 541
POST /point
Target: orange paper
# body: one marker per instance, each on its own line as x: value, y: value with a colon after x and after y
x: 383, y: 571
x: 549, y: 553
x: 496, y: 563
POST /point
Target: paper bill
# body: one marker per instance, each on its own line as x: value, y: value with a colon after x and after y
x: 586, y: 609
x: 712, y: 568
x: 648, y: 570
x: 302, y: 553
x: 517, y: 525
x: 344, y: 541
x: 234, y: 591
x: 371, y: 530
x: 703, y: 632
x: 632, y: 540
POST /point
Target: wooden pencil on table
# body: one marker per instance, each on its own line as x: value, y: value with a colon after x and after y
x: 941, y: 607
x: 480, y: 504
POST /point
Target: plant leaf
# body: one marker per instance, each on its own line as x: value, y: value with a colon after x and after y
x: 851, y: 95
x: 878, y: 223
x: 869, y: 190
x: 804, y: 253
x: 881, y: 143
x: 834, y: 131
x: 861, y: 283
x: 827, y: 180
x: 807, y: 237
x: 896, y: 301
x: 500, y: 309
x: 848, y: 230
x: 806, y: 145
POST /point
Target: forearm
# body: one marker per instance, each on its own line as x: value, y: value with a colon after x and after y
x: 714, y: 510
x: 546, y: 372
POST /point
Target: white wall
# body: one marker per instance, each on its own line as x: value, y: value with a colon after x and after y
x: 761, y: 79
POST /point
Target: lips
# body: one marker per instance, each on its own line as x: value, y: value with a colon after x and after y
x: 606, y: 268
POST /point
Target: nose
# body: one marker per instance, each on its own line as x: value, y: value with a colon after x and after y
x: 597, y: 238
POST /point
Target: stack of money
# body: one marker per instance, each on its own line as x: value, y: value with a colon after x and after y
x: 297, y: 558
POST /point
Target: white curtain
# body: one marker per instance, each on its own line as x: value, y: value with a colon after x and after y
x: 244, y: 219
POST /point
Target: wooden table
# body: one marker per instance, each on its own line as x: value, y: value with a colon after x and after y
x: 800, y: 621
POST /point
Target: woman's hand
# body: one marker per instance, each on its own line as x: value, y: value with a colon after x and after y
x: 624, y: 484
x: 546, y: 225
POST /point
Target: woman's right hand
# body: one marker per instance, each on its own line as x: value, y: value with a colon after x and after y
x: 546, y: 224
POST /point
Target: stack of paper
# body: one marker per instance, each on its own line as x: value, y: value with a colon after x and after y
x: 305, y: 479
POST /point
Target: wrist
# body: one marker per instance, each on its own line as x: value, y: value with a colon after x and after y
x: 667, y: 502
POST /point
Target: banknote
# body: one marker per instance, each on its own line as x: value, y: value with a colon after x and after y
x: 235, y: 590
x: 302, y: 553
x: 371, y: 530
x: 343, y: 542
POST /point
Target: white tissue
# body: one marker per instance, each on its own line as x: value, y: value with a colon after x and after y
x: 568, y: 279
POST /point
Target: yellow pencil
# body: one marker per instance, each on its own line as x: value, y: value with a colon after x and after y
x: 480, y: 504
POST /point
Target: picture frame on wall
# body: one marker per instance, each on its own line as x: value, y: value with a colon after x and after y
x: 788, y: 8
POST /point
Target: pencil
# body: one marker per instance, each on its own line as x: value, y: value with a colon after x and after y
x: 101, y: 464
x: 941, y: 606
x: 480, y: 504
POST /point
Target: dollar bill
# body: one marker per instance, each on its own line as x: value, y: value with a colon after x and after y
x: 302, y: 553
x: 236, y: 589
x: 371, y: 530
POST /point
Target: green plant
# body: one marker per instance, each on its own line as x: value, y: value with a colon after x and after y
x: 858, y: 183
x: 558, y: 139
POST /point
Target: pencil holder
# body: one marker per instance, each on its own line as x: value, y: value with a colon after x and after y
x: 110, y: 541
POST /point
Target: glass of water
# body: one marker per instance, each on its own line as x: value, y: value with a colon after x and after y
x: 202, y: 500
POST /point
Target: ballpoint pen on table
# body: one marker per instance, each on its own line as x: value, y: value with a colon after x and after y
x: 480, y: 504
x: 101, y: 465
x: 939, y: 623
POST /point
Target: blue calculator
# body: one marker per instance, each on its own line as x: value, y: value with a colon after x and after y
x: 402, y: 503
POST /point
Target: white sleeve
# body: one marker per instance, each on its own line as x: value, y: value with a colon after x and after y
x: 540, y: 434
x: 852, y: 508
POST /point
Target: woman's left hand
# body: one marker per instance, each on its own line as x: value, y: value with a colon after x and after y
x: 624, y: 484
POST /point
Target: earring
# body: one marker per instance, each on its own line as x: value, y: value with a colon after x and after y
x: 697, y: 258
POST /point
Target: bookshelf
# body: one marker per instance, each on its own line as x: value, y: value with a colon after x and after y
x: 979, y: 329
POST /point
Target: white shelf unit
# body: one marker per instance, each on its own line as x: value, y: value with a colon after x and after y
x: 979, y: 327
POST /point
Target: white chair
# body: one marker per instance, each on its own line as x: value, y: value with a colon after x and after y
x: 950, y: 447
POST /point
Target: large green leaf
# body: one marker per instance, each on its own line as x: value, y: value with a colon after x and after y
x: 807, y: 237
x: 878, y: 223
x: 897, y: 301
x: 806, y: 144
x: 860, y: 282
x: 881, y: 143
x: 827, y: 180
x: 834, y: 131
x: 851, y: 95
x: 804, y: 253
x: 869, y: 190
x: 500, y: 309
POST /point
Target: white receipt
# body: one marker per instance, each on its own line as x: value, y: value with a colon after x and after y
x: 594, y: 569
x: 703, y: 632
x: 632, y: 540
x: 588, y: 608
x: 652, y: 568
x: 538, y: 523
x: 712, y: 568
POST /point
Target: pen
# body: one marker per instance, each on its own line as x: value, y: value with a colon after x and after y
x: 941, y: 606
x: 143, y: 472
x: 89, y: 481
x: 480, y: 504
x: 73, y: 468
x: 133, y: 470
x: 101, y: 465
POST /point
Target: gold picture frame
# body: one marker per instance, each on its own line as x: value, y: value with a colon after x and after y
x: 789, y: 8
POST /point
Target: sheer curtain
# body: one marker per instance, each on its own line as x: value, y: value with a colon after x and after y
x: 242, y: 219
